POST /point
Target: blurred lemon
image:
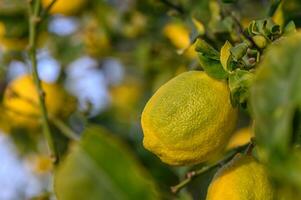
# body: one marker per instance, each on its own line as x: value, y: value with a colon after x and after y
x: 65, y: 7
x: 18, y: 43
x: 189, y: 119
x: 126, y: 96
x: 240, y: 138
x: 241, y: 179
x: 21, y: 102
x: 178, y: 35
x: 11, y: 43
x: 42, y: 164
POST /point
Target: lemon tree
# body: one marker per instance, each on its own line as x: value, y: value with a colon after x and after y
x: 189, y: 119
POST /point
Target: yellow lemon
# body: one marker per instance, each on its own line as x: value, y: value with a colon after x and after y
x: 240, y: 138
x: 189, y: 119
x: 18, y: 43
x: 178, y: 35
x: 21, y: 102
x: 42, y: 164
x: 65, y: 7
x: 241, y: 179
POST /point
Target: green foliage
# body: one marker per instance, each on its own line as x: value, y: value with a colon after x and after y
x: 100, y: 167
x: 276, y: 103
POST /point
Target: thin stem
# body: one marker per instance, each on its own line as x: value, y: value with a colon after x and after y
x: 64, y: 128
x: 34, y: 10
x: 173, y: 6
x: 191, y: 175
x: 47, y: 9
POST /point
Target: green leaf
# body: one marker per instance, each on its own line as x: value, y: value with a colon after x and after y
x: 290, y: 28
x: 239, y: 51
x: 206, y: 49
x: 275, y: 100
x: 240, y: 82
x: 212, y: 67
x: 225, y: 55
x: 101, y: 167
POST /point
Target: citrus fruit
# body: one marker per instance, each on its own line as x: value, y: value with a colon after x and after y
x: 188, y: 119
x: 243, y: 178
x: 240, y: 138
x: 21, y: 102
x: 178, y: 35
x: 65, y: 7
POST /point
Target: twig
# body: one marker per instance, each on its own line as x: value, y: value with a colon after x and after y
x: 191, y: 175
x: 47, y: 9
x: 64, y: 128
x: 34, y: 11
x: 173, y: 6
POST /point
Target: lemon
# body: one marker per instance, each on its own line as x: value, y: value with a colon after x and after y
x: 240, y: 138
x: 189, y: 119
x: 241, y: 179
x: 21, y: 102
x: 65, y: 7
x: 18, y: 43
x: 178, y: 35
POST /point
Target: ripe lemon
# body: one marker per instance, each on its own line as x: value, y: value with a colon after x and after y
x: 21, y: 102
x: 189, y: 119
x: 65, y: 7
x: 241, y: 179
x: 240, y: 138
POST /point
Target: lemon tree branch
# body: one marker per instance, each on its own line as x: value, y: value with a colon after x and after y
x: 193, y: 174
x: 34, y: 19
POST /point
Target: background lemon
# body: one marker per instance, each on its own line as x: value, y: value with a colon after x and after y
x: 241, y: 179
x: 21, y: 102
x: 65, y: 7
x: 240, y: 138
x: 189, y: 119
x: 178, y: 35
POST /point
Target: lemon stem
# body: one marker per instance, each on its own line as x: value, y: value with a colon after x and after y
x: 34, y: 19
x: 193, y: 174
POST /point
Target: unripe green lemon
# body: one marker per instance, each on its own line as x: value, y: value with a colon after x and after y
x: 189, y: 119
x: 21, y: 102
x: 241, y: 179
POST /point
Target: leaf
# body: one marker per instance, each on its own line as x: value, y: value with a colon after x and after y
x: 240, y: 82
x: 225, y: 55
x: 239, y: 51
x: 275, y: 99
x: 100, y: 167
x: 206, y: 49
x: 212, y: 67
x: 290, y: 28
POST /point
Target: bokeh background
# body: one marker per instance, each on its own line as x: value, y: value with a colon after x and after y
x: 111, y: 55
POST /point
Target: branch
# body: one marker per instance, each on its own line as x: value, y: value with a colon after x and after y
x: 64, y: 128
x: 47, y: 9
x: 34, y: 19
x: 173, y: 6
x: 193, y: 174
